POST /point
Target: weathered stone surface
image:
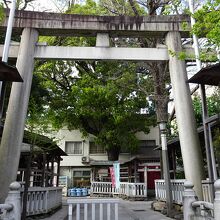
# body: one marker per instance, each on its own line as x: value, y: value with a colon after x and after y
x: 178, y: 216
x: 176, y: 212
x: 87, y: 25
x: 158, y: 205
x: 178, y: 207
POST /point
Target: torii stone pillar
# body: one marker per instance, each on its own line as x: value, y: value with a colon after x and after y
x: 17, y: 109
x: 189, y: 141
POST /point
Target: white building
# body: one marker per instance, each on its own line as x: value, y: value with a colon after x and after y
x: 84, y: 154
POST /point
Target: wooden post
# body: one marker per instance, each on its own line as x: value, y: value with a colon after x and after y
x: 26, y: 185
x: 135, y: 171
x: 129, y: 173
x: 47, y: 172
x: 52, y: 171
x: 58, y: 171
x: 43, y: 171
x: 174, y: 162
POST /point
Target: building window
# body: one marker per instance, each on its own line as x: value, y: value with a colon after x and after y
x: 147, y: 143
x: 81, y: 178
x: 96, y: 149
x: 146, y: 147
x: 73, y: 147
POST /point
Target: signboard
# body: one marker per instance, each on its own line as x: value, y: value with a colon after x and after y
x: 112, y: 173
x: 116, y: 166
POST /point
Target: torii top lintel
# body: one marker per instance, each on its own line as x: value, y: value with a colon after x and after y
x: 54, y: 24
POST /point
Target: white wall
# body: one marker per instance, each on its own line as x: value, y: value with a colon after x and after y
x: 75, y: 160
x: 153, y: 135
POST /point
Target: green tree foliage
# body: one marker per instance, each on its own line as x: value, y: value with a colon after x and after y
x: 213, y: 106
x: 36, y: 121
x: 1, y: 11
x: 101, y: 99
x: 208, y: 22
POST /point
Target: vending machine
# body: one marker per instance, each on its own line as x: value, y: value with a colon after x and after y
x: 64, y: 182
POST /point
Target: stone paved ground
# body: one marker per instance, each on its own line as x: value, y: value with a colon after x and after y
x: 128, y: 210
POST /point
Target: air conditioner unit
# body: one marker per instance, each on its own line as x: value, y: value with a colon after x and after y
x: 85, y: 159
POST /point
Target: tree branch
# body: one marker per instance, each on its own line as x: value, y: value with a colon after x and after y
x: 133, y: 7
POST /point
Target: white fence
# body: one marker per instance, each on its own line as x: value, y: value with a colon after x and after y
x: 177, y: 187
x: 126, y: 189
x: 42, y: 200
x: 207, y: 190
x: 104, y: 208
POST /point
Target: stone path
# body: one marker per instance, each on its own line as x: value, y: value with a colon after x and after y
x: 128, y: 210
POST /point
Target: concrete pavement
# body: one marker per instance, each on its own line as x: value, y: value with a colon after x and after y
x: 138, y: 210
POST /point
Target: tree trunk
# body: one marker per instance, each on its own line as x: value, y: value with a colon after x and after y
x: 113, y: 153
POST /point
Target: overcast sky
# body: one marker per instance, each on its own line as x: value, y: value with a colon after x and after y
x: 44, y: 5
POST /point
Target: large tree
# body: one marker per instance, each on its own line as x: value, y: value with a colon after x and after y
x: 104, y: 98
x: 99, y: 98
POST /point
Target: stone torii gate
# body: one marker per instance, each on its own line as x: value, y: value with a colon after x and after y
x: 33, y: 24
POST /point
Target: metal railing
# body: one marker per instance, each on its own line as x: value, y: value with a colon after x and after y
x: 93, y: 208
x: 126, y: 189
